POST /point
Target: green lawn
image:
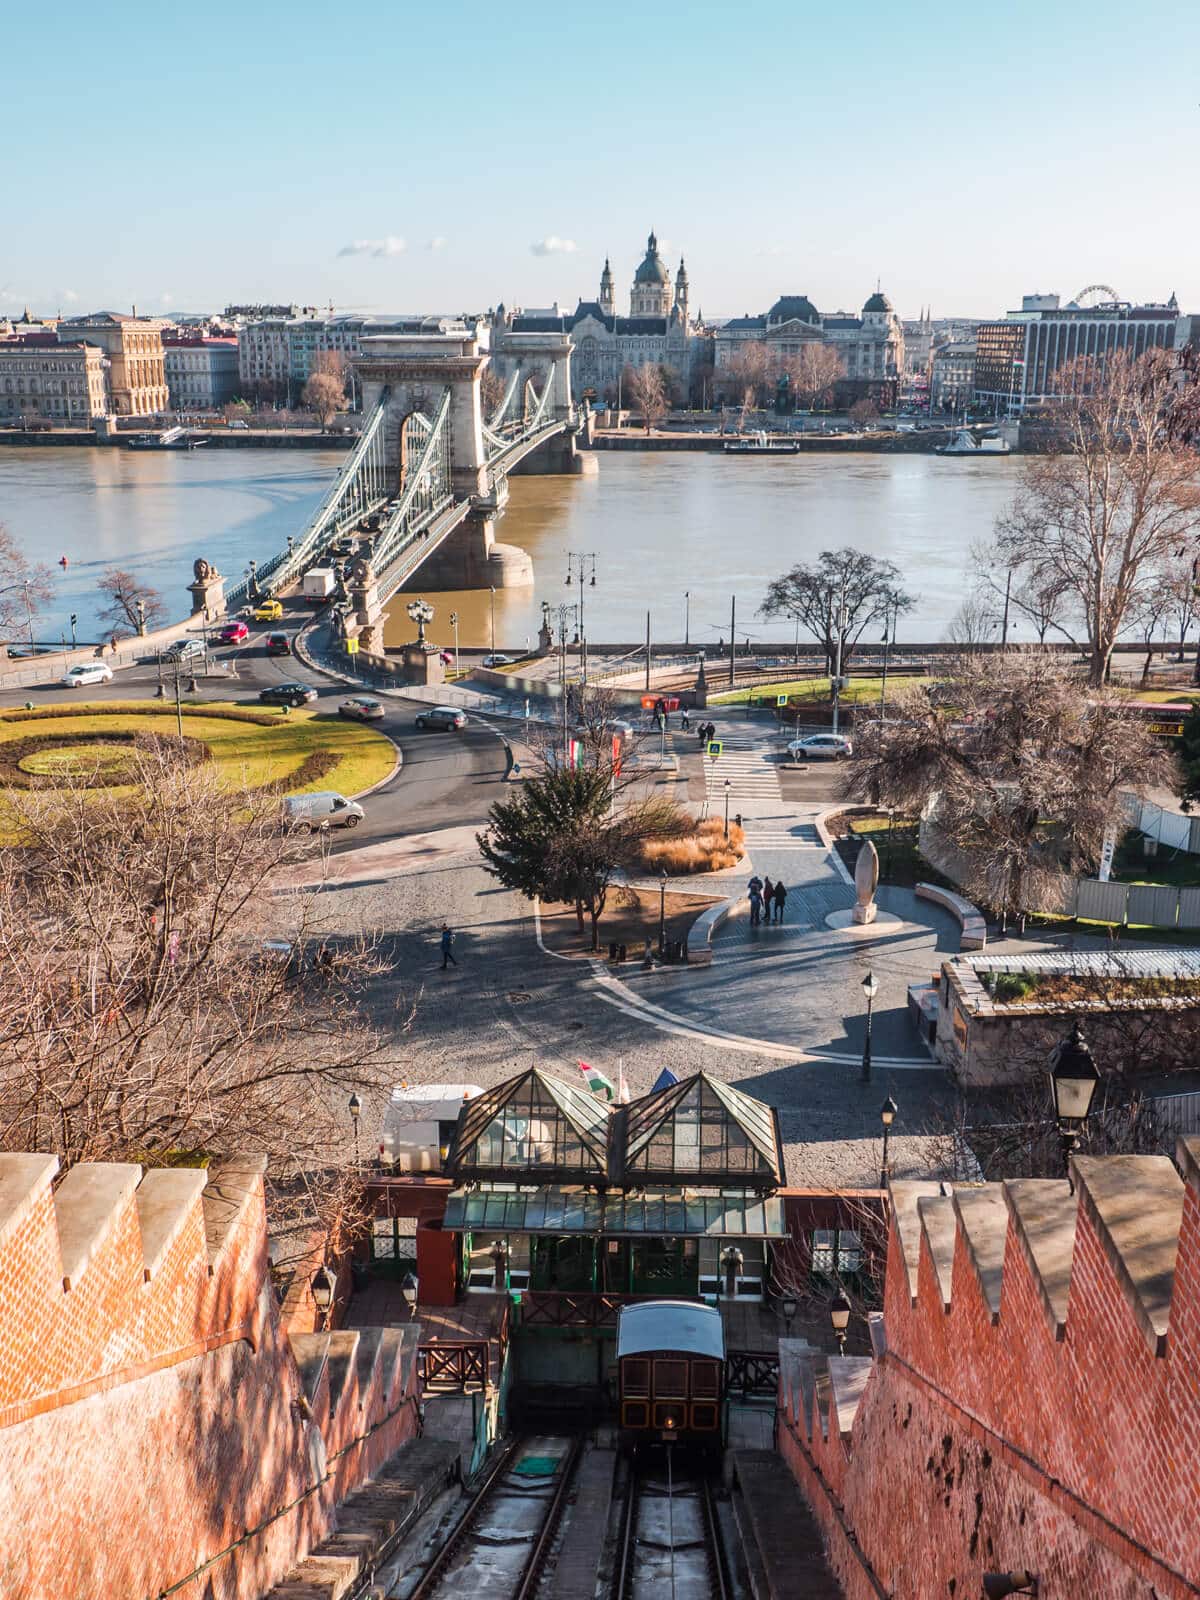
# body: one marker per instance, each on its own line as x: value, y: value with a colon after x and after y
x: 860, y: 690
x: 1131, y: 864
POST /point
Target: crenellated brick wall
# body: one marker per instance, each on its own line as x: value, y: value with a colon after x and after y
x: 158, y: 1427
x: 1034, y: 1396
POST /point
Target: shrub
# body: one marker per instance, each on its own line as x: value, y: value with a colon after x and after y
x: 704, y: 849
x: 153, y: 708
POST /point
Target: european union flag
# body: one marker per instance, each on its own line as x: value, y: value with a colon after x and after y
x: 664, y: 1080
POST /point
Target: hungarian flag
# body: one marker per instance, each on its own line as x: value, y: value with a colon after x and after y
x: 574, y: 755
x: 597, y: 1082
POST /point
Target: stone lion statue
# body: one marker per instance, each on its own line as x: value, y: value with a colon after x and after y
x: 362, y: 572
x: 202, y: 570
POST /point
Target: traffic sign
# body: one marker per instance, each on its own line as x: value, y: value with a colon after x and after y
x: 781, y: 699
x: 714, y: 749
x: 351, y: 647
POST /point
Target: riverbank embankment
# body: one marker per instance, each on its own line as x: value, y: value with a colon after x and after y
x: 797, y: 444
x: 236, y: 439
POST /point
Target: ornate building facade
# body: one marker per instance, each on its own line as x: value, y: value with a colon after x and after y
x: 870, y: 346
x: 137, y: 379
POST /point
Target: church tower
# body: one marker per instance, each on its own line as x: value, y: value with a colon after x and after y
x: 681, y: 293
x: 608, y: 302
x: 651, y: 292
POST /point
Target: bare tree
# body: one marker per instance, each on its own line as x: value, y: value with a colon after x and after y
x: 1022, y: 770
x: 752, y: 369
x: 648, y: 393
x: 1101, y: 515
x: 130, y: 602
x: 975, y: 622
x: 158, y: 1002
x: 325, y: 391
x: 492, y: 387
x: 812, y: 373
x: 24, y: 585
x: 842, y: 585
x: 864, y: 410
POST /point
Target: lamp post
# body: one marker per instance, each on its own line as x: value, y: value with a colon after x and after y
x: 999, y: 1585
x: 728, y: 786
x: 870, y: 987
x: 1074, y: 1079
x: 492, y: 593
x: 454, y: 625
x: 887, y: 1116
x: 321, y: 1288
x: 74, y: 620
x: 408, y: 1291
x: 662, y: 914
x: 586, y: 576
x: 355, y: 1108
x: 421, y: 612
x: 687, y: 615
x: 788, y: 1307
x: 839, y: 1317
x: 883, y: 685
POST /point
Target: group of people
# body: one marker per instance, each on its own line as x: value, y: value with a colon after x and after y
x: 705, y: 731
x: 766, y: 896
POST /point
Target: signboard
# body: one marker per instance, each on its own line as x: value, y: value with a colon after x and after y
x: 617, y: 744
x: 669, y: 702
x: 1107, y: 848
x: 351, y: 647
x: 781, y: 699
x: 714, y: 749
x: 1167, y: 730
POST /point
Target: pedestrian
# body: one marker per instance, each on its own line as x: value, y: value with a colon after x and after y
x: 684, y: 719
x: 768, y: 896
x: 780, y: 900
x: 701, y: 733
x: 755, y: 906
x: 447, y: 952
x: 712, y: 732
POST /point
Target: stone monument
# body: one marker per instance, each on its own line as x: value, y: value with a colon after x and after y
x: 421, y: 660
x: 369, y: 615
x: 207, y: 590
x: 866, y: 881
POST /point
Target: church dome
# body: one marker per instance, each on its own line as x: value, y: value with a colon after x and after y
x: 652, y: 269
x: 878, y: 302
x: 793, y: 308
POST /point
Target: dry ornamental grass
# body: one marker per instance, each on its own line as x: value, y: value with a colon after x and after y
x: 705, y: 849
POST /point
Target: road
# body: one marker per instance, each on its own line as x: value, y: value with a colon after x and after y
x: 445, y: 779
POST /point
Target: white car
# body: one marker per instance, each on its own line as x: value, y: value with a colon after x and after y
x: 497, y: 660
x: 184, y: 649
x: 821, y: 747
x: 86, y: 672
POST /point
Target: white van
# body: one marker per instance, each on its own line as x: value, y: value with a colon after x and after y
x: 322, y: 810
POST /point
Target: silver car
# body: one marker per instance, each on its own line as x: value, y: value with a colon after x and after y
x: 821, y: 747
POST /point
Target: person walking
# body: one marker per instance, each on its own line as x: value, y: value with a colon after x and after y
x: 768, y: 897
x: 447, y: 953
x: 755, y: 888
x: 684, y: 720
x: 780, y: 900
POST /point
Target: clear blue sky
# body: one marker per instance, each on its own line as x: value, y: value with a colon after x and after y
x: 444, y: 157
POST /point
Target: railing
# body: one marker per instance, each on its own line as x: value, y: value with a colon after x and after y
x: 556, y: 1308
x: 750, y: 1372
x: 427, y: 489
x: 456, y: 1363
x: 359, y: 487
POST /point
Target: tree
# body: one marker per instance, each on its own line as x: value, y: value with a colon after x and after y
x: 492, y: 388
x: 812, y: 372
x: 752, y: 369
x: 1022, y: 770
x: 125, y: 590
x: 325, y: 391
x: 863, y: 411
x: 236, y: 411
x: 974, y: 623
x: 647, y: 392
x: 860, y: 588
x: 24, y: 585
x: 1102, y: 514
x: 560, y: 838
x: 143, y: 1016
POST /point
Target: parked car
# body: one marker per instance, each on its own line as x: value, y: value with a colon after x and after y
x: 86, y: 672
x: 445, y: 718
x: 184, y: 649
x: 498, y: 660
x: 278, y: 644
x: 268, y: 611
x: 241, y: 425
x: 821, y: 747
x: 287, y: 694
x: 322, y: 810
x: 234, y: 632
x: 361, y: 710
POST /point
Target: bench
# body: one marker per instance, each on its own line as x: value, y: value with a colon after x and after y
x: 970, y: 918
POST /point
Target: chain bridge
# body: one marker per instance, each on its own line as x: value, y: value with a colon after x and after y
x: 428, y: 475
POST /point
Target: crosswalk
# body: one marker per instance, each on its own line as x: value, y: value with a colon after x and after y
x: 764, y: 834
x: 747, y: 764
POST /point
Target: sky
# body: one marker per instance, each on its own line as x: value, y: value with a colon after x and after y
x: 392, y: 157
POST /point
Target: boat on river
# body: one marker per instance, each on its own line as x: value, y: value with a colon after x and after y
x: 167, y: 439
x: 761, y: 444
x: 964, y: 443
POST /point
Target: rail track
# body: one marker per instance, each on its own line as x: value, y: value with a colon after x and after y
x: 669, y: 1540
x: 498, y: 1548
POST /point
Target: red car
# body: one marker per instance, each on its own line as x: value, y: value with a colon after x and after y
x: 234, y: 632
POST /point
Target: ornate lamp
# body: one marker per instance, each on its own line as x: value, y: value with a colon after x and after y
x: 839, y: 1316
x: 420, y: 612
x: 1074, y: 1078
x: 408, y: 1289
x: 321, y: 1287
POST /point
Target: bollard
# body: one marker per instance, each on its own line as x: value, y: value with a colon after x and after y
x: 737, y: 817
x: 622, y: 953
x: 612, y: 950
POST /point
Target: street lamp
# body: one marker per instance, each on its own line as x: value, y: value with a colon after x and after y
x: 662, y: 914
x: 408, y: 1290
x: 999, y: 1585
x: 74, y: 620
x: 687, y: 615
x: 870, y: 987
x: 728, y: 786
x: 839, y: 1316
x: 454, y: 625
x: 322, y: 1294
x: 1074, y: 1080
x: 355, y: 1114
x: 492, y: 592
x: 788, y: 1306
x: 887, y: 1116
x: 421, y: 612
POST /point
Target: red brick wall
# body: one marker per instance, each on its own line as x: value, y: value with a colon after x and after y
x: 154, y: 1430
x: 983, y: 1446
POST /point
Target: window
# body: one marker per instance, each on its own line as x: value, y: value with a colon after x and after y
x: 836, y: 1251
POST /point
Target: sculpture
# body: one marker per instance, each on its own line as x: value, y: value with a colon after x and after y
x: 866, y: 881
x: 361, y: 572
x: 203, y: 570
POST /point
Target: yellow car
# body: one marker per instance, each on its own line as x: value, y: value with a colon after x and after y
x: 268, y: 611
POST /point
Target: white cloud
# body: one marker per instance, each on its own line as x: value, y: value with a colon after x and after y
x: 165, y: 298
x: 552, y: 245
x: 438, y: 242
x: 390, y: 245
x: 70, y: 294
x: 770, y: 250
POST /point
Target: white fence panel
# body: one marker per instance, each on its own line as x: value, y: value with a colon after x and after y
x: 1177, y: 1113
x: 1152, y: 904
x: 1101, y: 902
x: 1189, y: 908
x: 1172, y: 830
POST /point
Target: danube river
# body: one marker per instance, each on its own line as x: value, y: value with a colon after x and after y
x: 659, y: 523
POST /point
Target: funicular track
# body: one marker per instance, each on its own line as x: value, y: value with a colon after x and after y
x: 498, y: 1548
x: 669, y: 1537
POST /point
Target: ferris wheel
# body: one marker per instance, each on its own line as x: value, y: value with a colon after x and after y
x: 1104, y: 293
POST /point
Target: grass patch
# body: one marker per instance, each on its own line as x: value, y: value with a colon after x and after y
x: 299, y: 752
x: 860, y: 691
x: 704, y: 850
x: 1175, y: 868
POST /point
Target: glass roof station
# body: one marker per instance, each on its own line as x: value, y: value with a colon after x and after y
x: 671, y: 1194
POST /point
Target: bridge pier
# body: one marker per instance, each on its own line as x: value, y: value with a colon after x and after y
x: 473, y: 558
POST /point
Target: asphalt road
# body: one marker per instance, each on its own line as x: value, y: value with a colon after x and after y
x: 445, y: 779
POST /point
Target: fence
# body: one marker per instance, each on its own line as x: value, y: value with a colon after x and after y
x: 1151, y: 905
x: 1177, y: 1113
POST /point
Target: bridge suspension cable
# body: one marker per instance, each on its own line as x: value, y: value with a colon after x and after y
x: 428, y: 488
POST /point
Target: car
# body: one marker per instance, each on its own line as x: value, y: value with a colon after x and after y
x: 240, y: 425
x: 234, y: 632
x: 268, y: 611
x: 444, y: 717
x: 86, y: 672
x: 184, y: 649
x: 326, y: 809
x: 287, y: 694
x: 821, y: 747
x: 278, y: 644
x: 361, y: 710
x: 497, y: 660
